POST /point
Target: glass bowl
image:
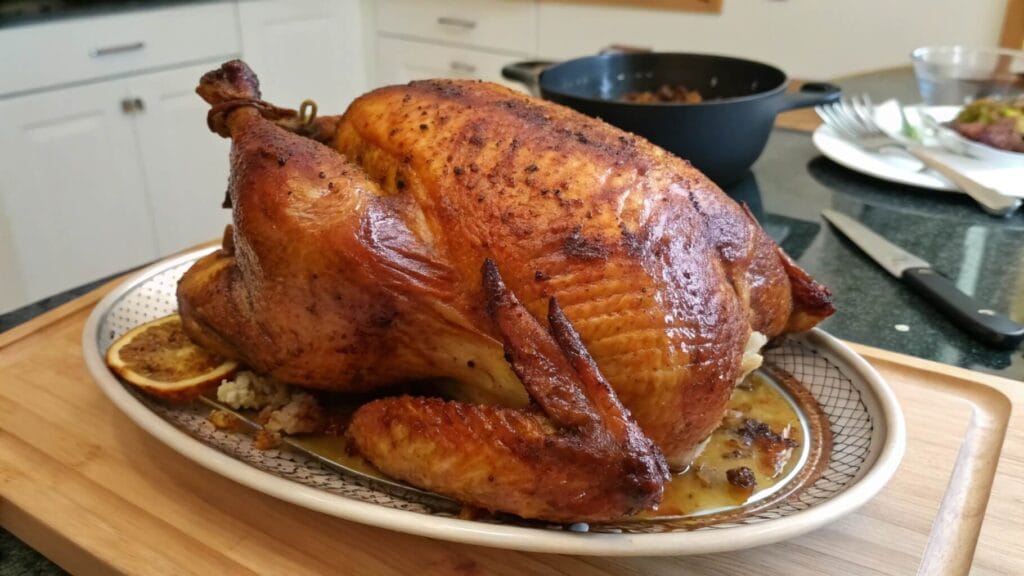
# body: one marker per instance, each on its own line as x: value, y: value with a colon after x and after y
x: 956, y: 75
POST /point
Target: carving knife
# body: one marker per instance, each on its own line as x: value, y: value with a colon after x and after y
x: 982, y: 322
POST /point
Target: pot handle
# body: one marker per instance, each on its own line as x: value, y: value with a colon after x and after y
x: 810, y: 94
x: 526, y: 73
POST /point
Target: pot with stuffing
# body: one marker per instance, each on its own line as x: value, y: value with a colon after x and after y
x: 714, y: 111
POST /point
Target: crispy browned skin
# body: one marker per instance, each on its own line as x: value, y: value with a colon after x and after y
x: 321, y: 282
x: 579, y: 457
x: 358, y: 270
x: 662, y: 274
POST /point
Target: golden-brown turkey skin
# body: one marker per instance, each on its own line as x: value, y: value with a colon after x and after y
x: 661, y: 273
x: 377, y: 280
x: 321, y: 283
x: 577, y: 456
x: 263, y: 301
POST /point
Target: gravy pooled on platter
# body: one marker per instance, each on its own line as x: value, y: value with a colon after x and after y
x: 757, y: 446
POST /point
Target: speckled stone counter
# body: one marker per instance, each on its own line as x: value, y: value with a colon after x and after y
x: 17, y: 559
x: 792, y: 183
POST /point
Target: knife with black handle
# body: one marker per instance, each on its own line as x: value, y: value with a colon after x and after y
x: 982, y: 322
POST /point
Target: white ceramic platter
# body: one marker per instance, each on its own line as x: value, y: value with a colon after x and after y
x: 865, y: 419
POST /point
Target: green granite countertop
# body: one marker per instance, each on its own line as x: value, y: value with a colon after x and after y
x: 792, y: 183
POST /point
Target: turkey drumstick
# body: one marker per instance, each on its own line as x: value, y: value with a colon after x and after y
x: 579, y: 457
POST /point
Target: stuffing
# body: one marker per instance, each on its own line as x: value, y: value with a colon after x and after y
x: 752, y: 358
x: 252, y: 391
x: 301, y: 415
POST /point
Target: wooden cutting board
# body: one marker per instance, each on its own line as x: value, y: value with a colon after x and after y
x: 87, y: 488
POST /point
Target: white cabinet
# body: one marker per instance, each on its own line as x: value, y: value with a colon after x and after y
x: 186, y: 166
x: 100, y: 178
x: 399, y: 61
x: 453, y: 38
x: 52, y: 54
x: 305, y: 49
x: 500, y: 25
x: 72, y: 201
x: 107, y: 160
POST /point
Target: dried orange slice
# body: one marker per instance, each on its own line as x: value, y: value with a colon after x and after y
x: 159, y: 358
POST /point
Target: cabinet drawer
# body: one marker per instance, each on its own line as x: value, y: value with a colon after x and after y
x: 399, y: 61
x: 508, y: 25
x: 81, y: 49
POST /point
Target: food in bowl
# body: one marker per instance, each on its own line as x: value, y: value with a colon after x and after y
x: 744, y: 93
x: 666, y: 94
x: 591, y: 300
x: 997, y: 123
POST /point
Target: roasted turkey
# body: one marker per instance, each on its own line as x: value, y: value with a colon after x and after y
x: 591, y: 298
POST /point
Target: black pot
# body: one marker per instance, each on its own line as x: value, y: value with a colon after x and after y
x: 722, y: 136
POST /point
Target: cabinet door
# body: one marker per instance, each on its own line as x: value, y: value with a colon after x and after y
x: 72, y: 204
x: 399, y: 61
x: 306, y: 49
x: 501, y: 25
x: 186, y: 165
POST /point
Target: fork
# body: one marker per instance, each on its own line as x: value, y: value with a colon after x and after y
x: 853, y: 118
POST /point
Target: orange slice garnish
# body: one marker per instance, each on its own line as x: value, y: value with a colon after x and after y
x: 159, y: 358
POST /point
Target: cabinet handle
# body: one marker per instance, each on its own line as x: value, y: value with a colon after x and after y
x: 457, y: 22
x: 118, y: 49
x: 464, y: 67
x: 132, y: 105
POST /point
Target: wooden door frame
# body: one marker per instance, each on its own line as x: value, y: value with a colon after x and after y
x: 1013, y: 25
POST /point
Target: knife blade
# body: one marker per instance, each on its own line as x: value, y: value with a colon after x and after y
x: 967, y: 313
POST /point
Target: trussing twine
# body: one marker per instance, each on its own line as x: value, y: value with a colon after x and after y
x: 217, y: 115
x: 307, y: 112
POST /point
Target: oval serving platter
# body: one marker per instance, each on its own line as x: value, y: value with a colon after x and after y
x: 865, y: 421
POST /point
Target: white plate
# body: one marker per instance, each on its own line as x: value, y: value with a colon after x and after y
x: 894, y: 166
x: 866, y: 422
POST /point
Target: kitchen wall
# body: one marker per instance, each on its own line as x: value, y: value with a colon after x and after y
x: 807, y: 38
